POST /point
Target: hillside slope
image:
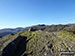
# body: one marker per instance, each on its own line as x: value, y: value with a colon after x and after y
x: 37, y: 43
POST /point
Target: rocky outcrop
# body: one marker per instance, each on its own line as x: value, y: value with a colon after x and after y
x: 40, y: 43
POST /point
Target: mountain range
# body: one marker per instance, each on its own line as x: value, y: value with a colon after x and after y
x: 38, y: 40
x: 6, y: 31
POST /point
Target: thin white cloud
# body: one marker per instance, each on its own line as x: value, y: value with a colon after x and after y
x: 2, y: 27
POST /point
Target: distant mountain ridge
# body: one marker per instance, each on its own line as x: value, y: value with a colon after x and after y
x: 6, y: 31
x: 43, y: 27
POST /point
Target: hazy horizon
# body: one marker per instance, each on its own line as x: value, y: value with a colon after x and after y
x: 30, y: 26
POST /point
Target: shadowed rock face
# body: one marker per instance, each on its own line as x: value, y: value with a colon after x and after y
x: 16, y: 47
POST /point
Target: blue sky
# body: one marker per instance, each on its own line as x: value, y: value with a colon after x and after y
x: 22, y: 13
